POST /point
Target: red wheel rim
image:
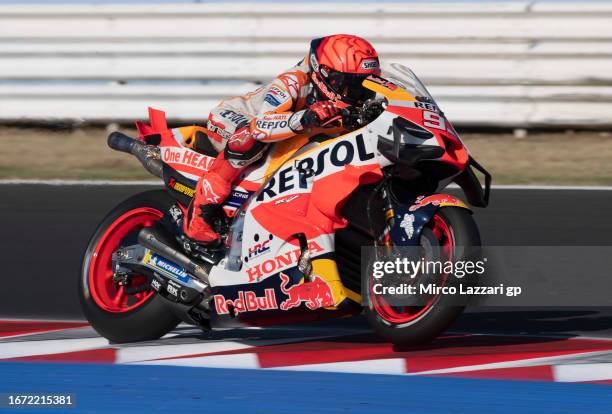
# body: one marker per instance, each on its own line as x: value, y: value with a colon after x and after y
x: 407, y: 314
x: 103, y: 290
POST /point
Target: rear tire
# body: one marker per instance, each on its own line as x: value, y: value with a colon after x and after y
x: 442, y: 312
x: 146, y: 317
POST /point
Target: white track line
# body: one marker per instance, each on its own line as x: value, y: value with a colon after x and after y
x: 549, y: 187
x: 582, y: 372
x: 388, y: 366
x: 18, y: 181
x: 16, y: 319
x: 18, y: 349
x: 528, y: 362
x: 237, y: 361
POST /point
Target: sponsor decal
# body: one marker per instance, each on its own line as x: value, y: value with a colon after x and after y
x: 425, y: 106
x: 259, y: 249
x: 247, y: 301
x: 369, y: 64
x: 292, y: 83
x: 314, y: 62
x: 436, y: 200
x: 272, y: 100
x: 278, y: 92
x: 234, y: 117
x: 171, y: 289
x: 270, y: 266
x: 323, y: 88
x: 177, y: 155
x: 408, y: 225
x: 218, y: 129
x: 382, y: 81
x: 209, y: 193
x: 181, y: 188
x: 155, y: 284
x: 275, y: 117
x: 339, y: 154
x: 315, y: 294
x: 167, y: 267
x: 266, y: 124
x: 286, y: 200
x: 241, y: 140
x: 237, y: 198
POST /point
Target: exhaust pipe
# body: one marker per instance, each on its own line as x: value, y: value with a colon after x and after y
x: 149, y: 239
x: 148, y: 155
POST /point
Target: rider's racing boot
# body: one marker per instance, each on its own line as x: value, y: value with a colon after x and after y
x: 205, y: 208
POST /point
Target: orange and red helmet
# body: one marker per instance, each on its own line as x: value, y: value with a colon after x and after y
x: 339, y: 64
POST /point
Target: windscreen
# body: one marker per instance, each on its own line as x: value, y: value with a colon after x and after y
x: 405, y: 78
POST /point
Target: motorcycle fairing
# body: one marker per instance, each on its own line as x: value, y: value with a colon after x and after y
x: 157, y: 124
x: 303, y: 193
x: 306, y: 203
x: 412, y: 216
x: 308, y: 191
x: 282, y: 296
x: 305, y: 196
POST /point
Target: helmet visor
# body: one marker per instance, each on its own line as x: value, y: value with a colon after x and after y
x: 349, y: 86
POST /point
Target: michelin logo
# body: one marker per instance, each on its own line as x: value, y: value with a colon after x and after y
x: 168, y: 267
x: 408, y: 225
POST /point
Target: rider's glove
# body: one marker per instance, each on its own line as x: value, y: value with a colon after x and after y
x: 321, y: 114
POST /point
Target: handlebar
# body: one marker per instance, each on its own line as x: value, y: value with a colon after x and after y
x: 148, y: 155
x: 358, y: 116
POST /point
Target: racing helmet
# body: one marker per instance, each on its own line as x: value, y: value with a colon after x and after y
x: 338, y: 65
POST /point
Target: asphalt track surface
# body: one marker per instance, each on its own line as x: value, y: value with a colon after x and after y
x: 566, y: 354
x: 45, y: 229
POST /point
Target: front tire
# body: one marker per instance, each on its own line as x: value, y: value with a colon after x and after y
x: 455, y: 228
x: 115, y: 315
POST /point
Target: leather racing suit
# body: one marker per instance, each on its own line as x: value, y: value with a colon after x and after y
x: 274, y: 112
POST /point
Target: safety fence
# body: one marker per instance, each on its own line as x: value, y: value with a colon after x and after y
x: 488, y: 64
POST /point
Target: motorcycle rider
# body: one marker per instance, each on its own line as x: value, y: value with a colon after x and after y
x: 309, y: 95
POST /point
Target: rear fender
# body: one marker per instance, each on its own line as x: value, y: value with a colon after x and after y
x: 411, y: 217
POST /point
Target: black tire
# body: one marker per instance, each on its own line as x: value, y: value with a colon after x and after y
x: 445, y: 310
x: 153, y: 318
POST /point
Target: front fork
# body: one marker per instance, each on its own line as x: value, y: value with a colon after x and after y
x: 383, y: 189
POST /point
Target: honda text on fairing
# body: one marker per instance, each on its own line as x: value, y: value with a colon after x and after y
x: 295, y: 224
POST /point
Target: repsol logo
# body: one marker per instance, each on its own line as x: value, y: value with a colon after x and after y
x: 270, y: 124
x: 426, y: 105
x: 339, y: 154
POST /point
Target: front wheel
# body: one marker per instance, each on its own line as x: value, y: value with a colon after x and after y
x: 111, y: 311
x: 451, y: 229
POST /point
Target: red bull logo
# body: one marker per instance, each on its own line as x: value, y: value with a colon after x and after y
x: 315, y: 294
x: 246, y: 301
x: 436, y: 200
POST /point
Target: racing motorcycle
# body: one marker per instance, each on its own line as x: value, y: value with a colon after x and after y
x: 293, y: 226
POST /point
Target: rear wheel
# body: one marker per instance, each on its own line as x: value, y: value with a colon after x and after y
x: 113, y: 312
x: 450, y: 230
